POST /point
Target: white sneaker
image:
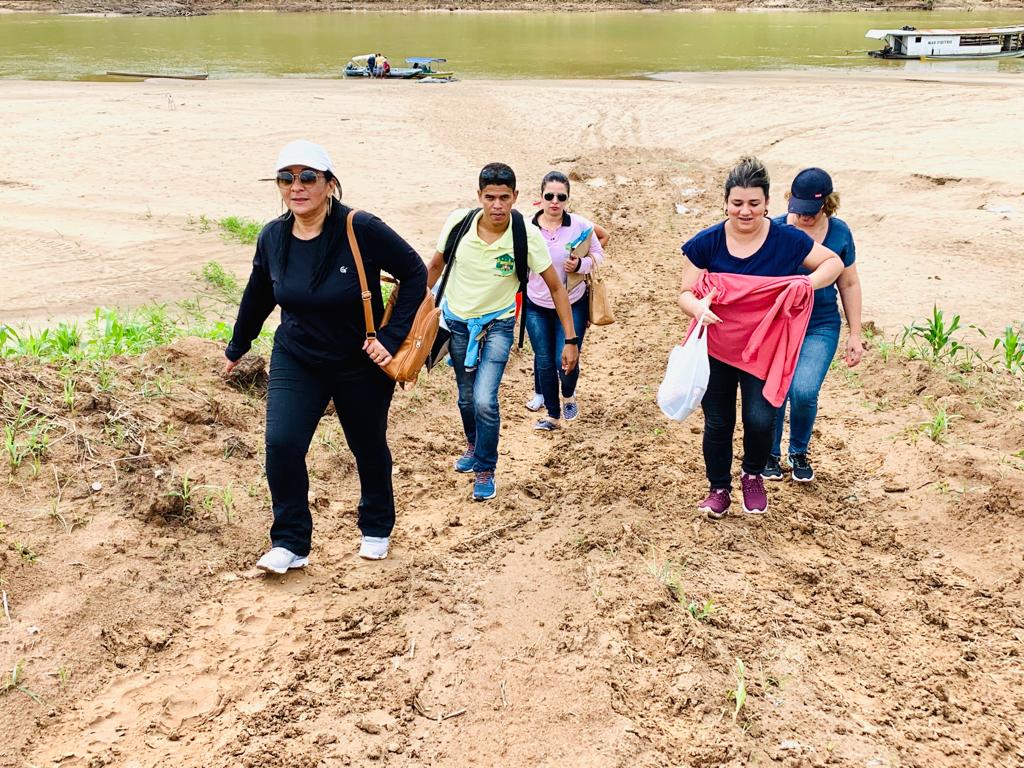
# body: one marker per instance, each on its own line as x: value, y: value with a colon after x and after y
x: 536, y: 403
x: 279, y: 560
x: 374, y: 547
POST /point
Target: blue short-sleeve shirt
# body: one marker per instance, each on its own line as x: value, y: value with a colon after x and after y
x: 781, y: 254
x: 839, y: 240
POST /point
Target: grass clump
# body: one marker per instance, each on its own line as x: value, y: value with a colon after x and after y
x: 245, y: 231
x: 738, y: 695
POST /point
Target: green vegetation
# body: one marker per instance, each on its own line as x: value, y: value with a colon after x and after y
x: 938, y: 426
x: 26, y: 436
x: 739, y: 694
x: 115, y: 332
x: 15, y: 681
x: 933, y: 339
x: 1011, y: 349
x: 245, y: 231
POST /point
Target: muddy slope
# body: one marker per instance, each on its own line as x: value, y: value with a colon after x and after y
x: 586, y: 617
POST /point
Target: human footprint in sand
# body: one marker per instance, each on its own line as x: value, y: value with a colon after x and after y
x: 750, y: 245
x: 304, y: 264
x: 812, y: 207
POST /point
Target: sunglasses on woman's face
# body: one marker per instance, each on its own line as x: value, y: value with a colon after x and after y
x: 562, y: 197
x: 307, y: 178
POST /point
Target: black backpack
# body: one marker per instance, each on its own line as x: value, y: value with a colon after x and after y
x: 519, y: 249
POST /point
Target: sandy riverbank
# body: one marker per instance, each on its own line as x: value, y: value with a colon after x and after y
x: 99, y: 182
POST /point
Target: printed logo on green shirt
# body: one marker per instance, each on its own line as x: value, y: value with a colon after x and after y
x: 505, y: 264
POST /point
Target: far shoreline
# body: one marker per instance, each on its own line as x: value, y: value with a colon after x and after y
x: 178, y: 8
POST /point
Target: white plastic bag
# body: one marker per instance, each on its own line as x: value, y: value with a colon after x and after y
x: 686, y: 378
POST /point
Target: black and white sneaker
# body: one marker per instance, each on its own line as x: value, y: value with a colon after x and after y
x: 803, y: 472
x: 773, y: 469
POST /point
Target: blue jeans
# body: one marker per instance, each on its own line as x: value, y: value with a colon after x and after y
x: 816, y: 356
x: 547, y: 337
x: 478, y: 389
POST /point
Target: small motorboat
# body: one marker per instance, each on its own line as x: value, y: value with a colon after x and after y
x: 419, y: 67
x: 949, y: 44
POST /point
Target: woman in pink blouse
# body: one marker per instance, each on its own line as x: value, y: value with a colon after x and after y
x: 560, y: 230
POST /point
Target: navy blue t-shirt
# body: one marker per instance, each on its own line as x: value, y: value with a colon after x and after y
x: 838, y: 239
x: 781, y: 254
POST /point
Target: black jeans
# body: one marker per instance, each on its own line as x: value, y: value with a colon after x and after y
x: 719, y: 406
x: 296, y: 398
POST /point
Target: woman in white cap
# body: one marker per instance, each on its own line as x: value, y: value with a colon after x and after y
x: 812, y: 206
x: 304, y: 264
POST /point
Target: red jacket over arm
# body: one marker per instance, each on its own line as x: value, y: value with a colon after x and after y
x: 764, y: 320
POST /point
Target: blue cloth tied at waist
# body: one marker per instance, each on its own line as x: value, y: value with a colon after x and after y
x: 477, y: 327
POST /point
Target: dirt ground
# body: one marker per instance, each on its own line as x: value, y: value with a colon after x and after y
x: 877, y: 613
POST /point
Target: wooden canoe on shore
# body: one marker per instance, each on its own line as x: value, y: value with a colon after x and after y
x: 143, y: 75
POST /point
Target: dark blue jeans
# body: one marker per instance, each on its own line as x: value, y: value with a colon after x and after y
x: 547, y: 337
x: 816, y: 354
x: 719, y: 406
x: 296, y: 399
x: 478, y: 389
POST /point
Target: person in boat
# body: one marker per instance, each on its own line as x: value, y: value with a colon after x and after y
x: 747, y: 243
x: 560, y: 229
x: 371, y: 64
x: 812, y: 207
x: 378, y: 65
x: 492, y: 247
x: 304, y: 264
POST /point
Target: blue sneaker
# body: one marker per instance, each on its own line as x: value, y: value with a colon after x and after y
x: 547, y: 424
x: 466, y: 461
x: 570, y: 409
x: 483, y: 485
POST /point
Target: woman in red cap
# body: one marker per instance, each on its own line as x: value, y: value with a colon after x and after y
x: 812, y: 207
x: 304, y: 264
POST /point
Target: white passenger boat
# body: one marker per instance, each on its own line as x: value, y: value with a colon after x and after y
x: 946, y: 44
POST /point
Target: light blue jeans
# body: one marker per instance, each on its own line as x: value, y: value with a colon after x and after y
x: 478, y: 389
x: 816, y: 354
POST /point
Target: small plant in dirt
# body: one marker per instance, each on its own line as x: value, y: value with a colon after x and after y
x: 237, y: 228
x: 15, y: 681
x: 182, y: 495
x: 221, y: 282
x: 701, y: 611
x: 936, y: 428
x: 63, y: 676
x: 26, y: 436
x: 668, y: 576
x: 1010, y: 347
x: 738, y: 695
x: 933, y: 339
x: 25, y: 551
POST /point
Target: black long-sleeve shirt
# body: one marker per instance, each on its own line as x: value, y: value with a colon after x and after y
x: 326, y: 326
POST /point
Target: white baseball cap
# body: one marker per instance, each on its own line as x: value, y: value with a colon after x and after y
x: 305, y: 153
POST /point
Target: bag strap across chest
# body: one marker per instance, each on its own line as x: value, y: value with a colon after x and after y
x: 371, y: 331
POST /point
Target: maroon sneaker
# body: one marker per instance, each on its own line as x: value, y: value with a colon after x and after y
x: 716, y: 505
x: 755, y: 500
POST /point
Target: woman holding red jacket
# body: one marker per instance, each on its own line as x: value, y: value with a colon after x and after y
x: 746, y: 243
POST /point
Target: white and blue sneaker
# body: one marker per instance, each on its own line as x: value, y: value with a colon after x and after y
x: 466, y: 461
x: 546, y: 424
x: 484, y: 485
x: 280, y: 560
x: 374, y: 547
x: 536, y: 402
x: 570, y: 409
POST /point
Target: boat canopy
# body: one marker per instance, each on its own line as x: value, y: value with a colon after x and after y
x: 424, y: 60
x: 361, y: 60
x: 881, y: 34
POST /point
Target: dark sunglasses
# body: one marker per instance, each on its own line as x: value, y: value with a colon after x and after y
x: 307, y: 178
x: 562, y: 197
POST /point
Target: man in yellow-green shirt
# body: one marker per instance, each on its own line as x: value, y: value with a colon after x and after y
x: 479, y: 309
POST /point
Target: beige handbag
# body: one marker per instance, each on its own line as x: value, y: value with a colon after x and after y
x: 601, y: 310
